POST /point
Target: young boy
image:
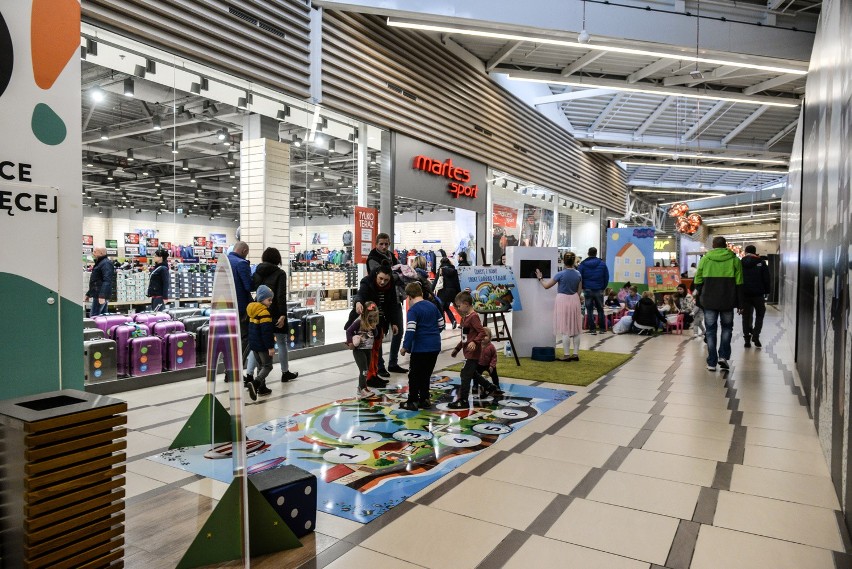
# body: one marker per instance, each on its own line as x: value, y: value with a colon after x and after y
x: 471, y: 339
x: 488, y: 359
x: 423, y: 341
x: 261, y: 333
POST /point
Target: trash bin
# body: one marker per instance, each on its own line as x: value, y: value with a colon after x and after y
x: 62, y: 485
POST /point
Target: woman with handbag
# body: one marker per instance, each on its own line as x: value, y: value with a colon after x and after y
x: 447, y: 287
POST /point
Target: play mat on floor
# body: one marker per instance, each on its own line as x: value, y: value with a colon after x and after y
x: 369, y: 455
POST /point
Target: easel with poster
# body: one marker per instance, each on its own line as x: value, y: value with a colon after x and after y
x: 494, y: 293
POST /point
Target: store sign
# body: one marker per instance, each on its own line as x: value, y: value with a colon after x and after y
x: 111, y: 243
x: 131, y: 239
x: 436, y: 176
x: 88, y: 240
x: 131, y: 250
x: 366, y: 229
x: 152, y: 242
x: 199, y: 241
x: 663, y: 245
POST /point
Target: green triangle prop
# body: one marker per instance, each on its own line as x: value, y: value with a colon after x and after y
x: 220, y: 540
x: 197, y: 430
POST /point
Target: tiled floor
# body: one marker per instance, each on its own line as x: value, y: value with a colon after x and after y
x: 659, y: 464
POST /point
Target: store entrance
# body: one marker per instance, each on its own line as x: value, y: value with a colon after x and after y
x: 433, y: 231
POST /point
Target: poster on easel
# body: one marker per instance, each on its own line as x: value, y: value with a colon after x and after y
x: 493, y: 288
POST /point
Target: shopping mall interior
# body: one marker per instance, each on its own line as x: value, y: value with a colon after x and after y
x: 638, y: 131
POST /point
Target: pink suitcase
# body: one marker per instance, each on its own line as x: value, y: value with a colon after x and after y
x: 123, y: 334
x: 150, y: 318
x: 107, y: 321
x: 167, y: 327
x: 179, y: 350
x: 145, y: 356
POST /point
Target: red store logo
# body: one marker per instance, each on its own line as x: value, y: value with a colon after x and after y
x: 458, y: 176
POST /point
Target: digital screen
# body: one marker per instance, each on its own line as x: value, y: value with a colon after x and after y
x: 528, y: 268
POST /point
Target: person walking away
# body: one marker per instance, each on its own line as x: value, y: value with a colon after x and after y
x: 158, y: 285
x: 361, y: 338
x: 382, y: 256
x: 756, y: 284
x: 378, y: 287
x: 100, y: 282
x: 449, y: 277
x: 241, y: 272
x: 422, y: 340
x: 719, y: 282
x: 261, y: 340
x: 567, y: 317
x: 595, y: 275
x: 488, y: 359
x: 268, y: 272
x: 471, y: 344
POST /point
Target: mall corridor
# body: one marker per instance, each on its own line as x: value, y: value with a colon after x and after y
x: 658, y: 464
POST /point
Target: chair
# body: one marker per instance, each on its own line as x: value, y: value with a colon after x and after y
x: 676, y: 325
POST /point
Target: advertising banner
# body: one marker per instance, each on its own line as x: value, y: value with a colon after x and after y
x: 218, y: 238
x: 366, y: 229
x: 88, y: 240
x: 629, y: 253
x: 152, y: 242
x: 131, y: 239
x: 111, y: 243
x: 493, y: 288
x: 504, y: 222
x: 199, y: 241
x: 536, y: 227
x: 663, y: 279
x: 563, y: 238
x: 131, y: 250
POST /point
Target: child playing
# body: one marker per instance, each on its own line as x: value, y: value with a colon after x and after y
x: 612, y: 300
x: 261, y: 335
x: 423, y: 341
x: 632, y: 299
x: 471, y: 338
x: 362, y: 336
x: 488, y: 358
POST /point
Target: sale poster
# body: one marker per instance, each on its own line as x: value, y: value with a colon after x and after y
x: 152, y: 242
x: 199, y: 241
x: 131, y: 239
x: 504, y: 222
x: 366, y: 229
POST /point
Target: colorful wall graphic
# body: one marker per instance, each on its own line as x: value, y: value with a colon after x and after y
x: 493, y: 288
x: 370, y: 455
x: 629, y: 252
x: 663, y: 279
x: 40, y: 195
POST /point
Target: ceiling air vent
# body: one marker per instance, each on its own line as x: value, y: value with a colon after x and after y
x: 242, y: 15
x: 403, y: 92
x: 245, y: 16
x: 484, y: 131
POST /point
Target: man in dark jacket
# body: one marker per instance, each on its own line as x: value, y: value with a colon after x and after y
x: 269, y: 273
x: 100, y: 282
x: 382, y: 256
x: 378, y: 287
x: 160, y: 280
x: 595, y: 280
x: 243, y: 286
x: 719, y: 283
x: 755, y: 286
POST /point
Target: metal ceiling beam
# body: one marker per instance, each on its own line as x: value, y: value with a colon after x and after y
x: 582, y: 62
x: 717, y: 73
x: 501, y: 55
x: 773, y: 4
x: 571, y: 96
x: 709, y: 187
x: 658, y: 65
x: 661, y: 108
x: 743, y: 125
x: 770, y: 84
x: 655, y: 141
x: 693, y: 130
x: 784, y: 132
x: 607, y: 110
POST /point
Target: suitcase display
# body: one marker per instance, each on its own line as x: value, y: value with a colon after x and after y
x: 301, y: 312
x: 99, y: 361
x: 150, y: 318
x: 295, y: 333
x: 107, y: 321
x: 167, y: 327
x: 201, y: 344
x: 193, y: 323
x: 179, y: 351
x: 180, y: 313
x: 291, y: 306
x: 314, y: 330
x: 123, y: 334
x: 145, y: 356
x: 89, y: 323
x: 93, y: 334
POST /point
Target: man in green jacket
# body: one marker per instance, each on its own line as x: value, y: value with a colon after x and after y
x: 718, y: 283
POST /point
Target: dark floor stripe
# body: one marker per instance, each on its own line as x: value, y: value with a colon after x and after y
x: 722, y: 478
x: 616, y: 458
x: 705, y: 509
x: 363, y: 533
x: 842, y: 560
x: 505, y: 550
x: 844, y: 531
x: 527, y: 442
x: 562, y: 421
x: 658, y: 408
x: 683, y: 546
x: 487, y: 465
x: 443, y: 487
x: 545, y: 520
x: 653, y: 422
x: 588, y: 483
x: 641, y: 438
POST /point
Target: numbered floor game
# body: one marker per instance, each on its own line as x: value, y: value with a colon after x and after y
x: 369, y: 455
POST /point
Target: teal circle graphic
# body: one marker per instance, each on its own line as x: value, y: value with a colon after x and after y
x: 47, y: 126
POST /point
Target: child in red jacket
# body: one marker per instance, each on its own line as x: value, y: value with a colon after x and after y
x: 471, y: 339
x: 488, y: 359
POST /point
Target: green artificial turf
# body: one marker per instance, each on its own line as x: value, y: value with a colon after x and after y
x: 592, y: 365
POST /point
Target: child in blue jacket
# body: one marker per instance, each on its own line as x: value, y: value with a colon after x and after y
x: 423, y: 341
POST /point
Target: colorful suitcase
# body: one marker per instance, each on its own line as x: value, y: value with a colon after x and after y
x: 145, y: 356
x: 123, y: 334
x: 89, y: 323
x: 93, y: 334
x: 314, y: 330
x: 107, y: 321
x: 179, y: 350
x: 99, y: 361
x: 193, y: 323
x: 150, y: 318
x: 180, y: 313
x: 201, y: 345
x: 167, y: 327
x: 295, y: 333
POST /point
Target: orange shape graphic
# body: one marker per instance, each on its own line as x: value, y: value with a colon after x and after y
x: 55, y: 38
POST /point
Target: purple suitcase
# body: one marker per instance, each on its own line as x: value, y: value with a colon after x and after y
x: 145, y: 356
x: 179, y: 351
x: 167, y: 327
x: 107, y: 321
x: 150, y: 318
x: 123, y: 334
